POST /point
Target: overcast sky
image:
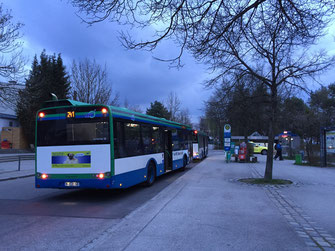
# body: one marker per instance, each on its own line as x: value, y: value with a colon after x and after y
x: 135, y: 75
x: 53, y: 25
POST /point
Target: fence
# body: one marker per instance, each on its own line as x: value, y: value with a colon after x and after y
x: 18, y: 158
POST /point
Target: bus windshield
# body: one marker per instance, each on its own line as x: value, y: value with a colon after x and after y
x: 74, y: 131
x: 194, y: 138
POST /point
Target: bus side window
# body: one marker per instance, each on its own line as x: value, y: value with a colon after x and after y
x: 133, y: 139
x: 182, y: 137
x: 201, y: 141
x: 156, y: 140
x: 119, y: 150
x: 115, y: 139
x: 175, y: 140
x: 147, y: 138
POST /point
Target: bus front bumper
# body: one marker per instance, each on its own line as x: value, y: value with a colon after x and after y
x: 74, y: 183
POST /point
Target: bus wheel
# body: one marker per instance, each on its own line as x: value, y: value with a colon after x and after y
x: 151, y: 174
x: 184, y: 164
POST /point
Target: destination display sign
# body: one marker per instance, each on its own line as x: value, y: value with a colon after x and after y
x: 70, y: 114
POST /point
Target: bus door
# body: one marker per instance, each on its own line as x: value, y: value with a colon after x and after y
x: 167, y: 150
x: 190, y: 145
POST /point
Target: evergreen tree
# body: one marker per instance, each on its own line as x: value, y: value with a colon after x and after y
x: 47, y: 76
x: 157, y: 109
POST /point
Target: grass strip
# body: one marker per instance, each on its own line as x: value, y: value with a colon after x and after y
x: 262, y: 181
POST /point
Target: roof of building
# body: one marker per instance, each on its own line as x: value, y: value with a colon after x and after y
x: 7, y: 116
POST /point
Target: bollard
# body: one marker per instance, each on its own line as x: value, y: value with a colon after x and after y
x: 19, y: 168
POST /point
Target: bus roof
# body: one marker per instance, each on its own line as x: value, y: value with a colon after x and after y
x: 117, y: 112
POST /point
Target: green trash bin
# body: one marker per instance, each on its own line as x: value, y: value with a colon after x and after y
x: 298, y: 159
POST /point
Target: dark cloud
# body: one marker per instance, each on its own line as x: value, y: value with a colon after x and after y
x: 54, y: 26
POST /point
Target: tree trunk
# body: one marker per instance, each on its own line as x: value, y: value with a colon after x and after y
x: 271, y: 134
x: 269, y: 158
x: 309, y: 150
x: 248, y: 153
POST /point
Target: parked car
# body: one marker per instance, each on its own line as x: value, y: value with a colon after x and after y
x: 260, y: 148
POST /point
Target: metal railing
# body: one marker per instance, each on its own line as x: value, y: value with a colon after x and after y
x: 18, y: 158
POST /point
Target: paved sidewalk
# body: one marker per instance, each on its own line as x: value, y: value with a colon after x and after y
x: 208, y: 209
x: 308, y: 205
x: 9, y: 170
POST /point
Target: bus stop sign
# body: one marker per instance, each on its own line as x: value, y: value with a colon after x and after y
x: 226, y: 137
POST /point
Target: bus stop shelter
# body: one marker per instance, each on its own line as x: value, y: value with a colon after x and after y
x: 327, y: 140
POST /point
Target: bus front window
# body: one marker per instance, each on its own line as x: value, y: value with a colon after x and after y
x: 81, y: 131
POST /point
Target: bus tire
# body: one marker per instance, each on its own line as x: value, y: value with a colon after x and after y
x: 182, y: 169
x: 151, y: 174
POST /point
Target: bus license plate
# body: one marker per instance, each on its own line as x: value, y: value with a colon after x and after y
x: 72, y: 184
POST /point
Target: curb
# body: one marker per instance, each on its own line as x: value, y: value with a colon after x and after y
x: 123, y: 233
x: 19, y: 177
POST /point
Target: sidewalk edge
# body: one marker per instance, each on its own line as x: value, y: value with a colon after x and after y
x: 123, y: 233
x: 18, y: 177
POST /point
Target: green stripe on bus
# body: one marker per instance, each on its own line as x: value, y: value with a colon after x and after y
x: 70, y: 165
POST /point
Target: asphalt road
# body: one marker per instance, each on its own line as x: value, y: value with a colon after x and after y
x: 36, y: 219
x: 206, y: 209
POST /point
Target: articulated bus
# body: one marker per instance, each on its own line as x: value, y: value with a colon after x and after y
x: 200, y: 144
x: 79, y: 145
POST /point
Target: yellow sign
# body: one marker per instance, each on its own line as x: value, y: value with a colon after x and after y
x: 70, y: 114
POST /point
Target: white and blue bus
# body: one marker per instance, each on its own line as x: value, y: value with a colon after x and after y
x: 79, y: 145
x: 200, y: 144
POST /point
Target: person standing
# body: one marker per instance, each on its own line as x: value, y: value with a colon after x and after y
x: 278, y: 151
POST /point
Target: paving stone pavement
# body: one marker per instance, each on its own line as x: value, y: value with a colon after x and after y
x: 315, y: 237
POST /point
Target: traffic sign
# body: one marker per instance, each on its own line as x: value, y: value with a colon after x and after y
x: 226, y: 134
x: 227, y: 128
x: 226, y: 137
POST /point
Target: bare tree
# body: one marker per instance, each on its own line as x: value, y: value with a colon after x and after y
x: 183, y: 117
x: 283, y: 56
x: 195, y: 23
x: 135, y: 108
x: 11, y: 60
x: 267, y: 39
x: 9, y: 93
x: 173, y: 105
x: 215, y: 115
x: 90, y: 83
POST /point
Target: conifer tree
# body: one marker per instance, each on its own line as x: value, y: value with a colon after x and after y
x: 157, y: 109
x: 46, y: 76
